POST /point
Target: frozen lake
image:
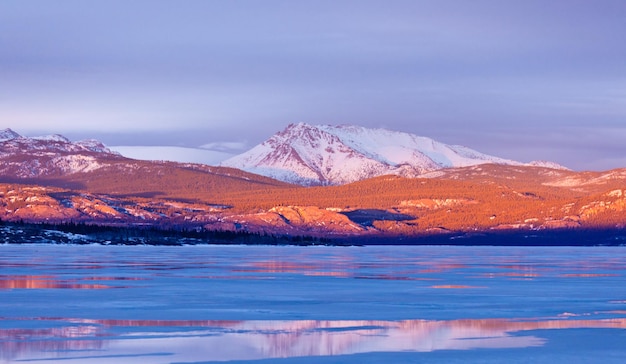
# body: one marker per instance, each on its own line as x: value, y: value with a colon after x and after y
x: 203, y: 304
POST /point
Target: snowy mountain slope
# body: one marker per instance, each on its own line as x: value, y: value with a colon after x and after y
x: 326, y: 154
x: 25, y: 157
x: 11, y: 141
x: 8, y: 134
x: 90, y: 166
x: 398, y: 148
x: 307, y: 155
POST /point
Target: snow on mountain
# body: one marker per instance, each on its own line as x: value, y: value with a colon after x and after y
x: 326, y: 154
x: 306, y: 155
x: 8, y: 134
x: 58, y: 143
x: 49, y: 155
x: 93, y: 145
x: 397, y: 148
x: 547, y: 164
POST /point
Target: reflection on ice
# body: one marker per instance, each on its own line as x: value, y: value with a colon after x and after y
x: 44, y: 282
x: 454, y: 286
x: 248, y: 340
x: 293, y: 301
x: 587, y: 275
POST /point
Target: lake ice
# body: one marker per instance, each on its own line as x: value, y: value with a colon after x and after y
x: 202, y: 304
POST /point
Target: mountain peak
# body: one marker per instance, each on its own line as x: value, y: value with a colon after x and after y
x: 303, y: 130
x: 49, y: 155
x: 327, y: 154
x: 94, y: 145
x: 299, y: 125
x: 52, y: 142
x: 8, y: 134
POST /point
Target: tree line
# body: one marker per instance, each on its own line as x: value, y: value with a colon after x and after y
x: 85, y: 233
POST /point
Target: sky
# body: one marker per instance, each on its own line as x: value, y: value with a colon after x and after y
x: 523, y: 80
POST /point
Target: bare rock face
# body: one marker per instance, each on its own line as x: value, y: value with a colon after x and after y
x: 312, y: 217
x: 32, y: 203
x: 297, y: 220
x: 612, y: 202
x: 56, y: 205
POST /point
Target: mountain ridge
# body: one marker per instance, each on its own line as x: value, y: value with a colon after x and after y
x: 332, y: 155
x: 28, y: 157
x: 39, y: 184
x: 53, y: 141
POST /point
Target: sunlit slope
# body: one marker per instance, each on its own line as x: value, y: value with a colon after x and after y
x: 479, y: 197
x: 90, y: 166
x: 172, y: 180
x: 469, y: 199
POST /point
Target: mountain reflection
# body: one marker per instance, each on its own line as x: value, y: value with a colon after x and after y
x: 44, y: 282
x: 346, y: 269
x: 248, y: 340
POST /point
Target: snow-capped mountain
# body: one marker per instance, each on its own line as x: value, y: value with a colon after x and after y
x: 8, y: 134
x: 49, y: 155
x: 325, y: 154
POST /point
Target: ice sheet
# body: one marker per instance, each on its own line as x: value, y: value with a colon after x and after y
x: 96, y: 304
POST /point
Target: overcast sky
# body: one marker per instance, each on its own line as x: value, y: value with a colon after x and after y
x: 518, y: 79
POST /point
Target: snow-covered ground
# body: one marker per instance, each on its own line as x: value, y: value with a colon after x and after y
x: 201, y: 304
x: 172, y: 153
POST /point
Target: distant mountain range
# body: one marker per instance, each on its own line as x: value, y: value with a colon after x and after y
x: 301, y: 154
x: 333, y: 155
x: 54, y: 160
x: 457, y: 192
x: 50, y: 155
